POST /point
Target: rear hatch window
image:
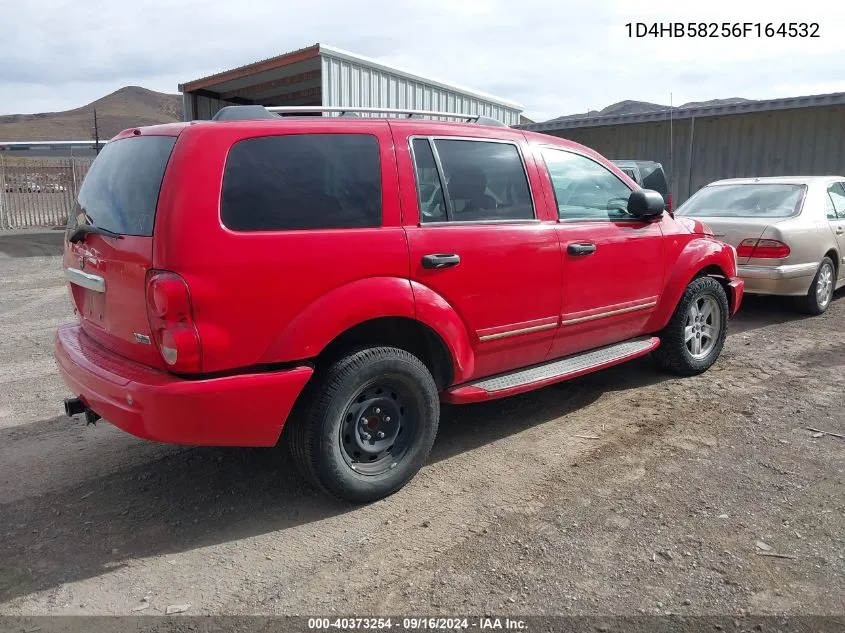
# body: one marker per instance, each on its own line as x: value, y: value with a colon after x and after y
x: 745, y: 201
x: 121, y: 189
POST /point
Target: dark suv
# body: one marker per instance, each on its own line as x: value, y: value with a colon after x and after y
x: 648, y: 175
x: 338, y: 277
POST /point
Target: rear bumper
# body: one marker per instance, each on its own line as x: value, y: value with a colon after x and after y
x: 242, y: 410
x: 788, y: 279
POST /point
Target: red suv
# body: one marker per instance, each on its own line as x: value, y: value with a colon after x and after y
x: 340, y: 276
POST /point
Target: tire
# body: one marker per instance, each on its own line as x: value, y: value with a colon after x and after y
x: 677, y: 351
x: 369, y: 426
x: 821, y: 289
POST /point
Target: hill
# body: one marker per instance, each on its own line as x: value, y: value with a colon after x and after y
x: 131, y: 106
x: 640, y: 107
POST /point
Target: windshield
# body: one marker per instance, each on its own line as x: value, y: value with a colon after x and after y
x: 745, y: 201
x: 120, y: 191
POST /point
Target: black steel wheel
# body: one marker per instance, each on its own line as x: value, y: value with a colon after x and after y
x: 369, y: 424
x: 377, y: 429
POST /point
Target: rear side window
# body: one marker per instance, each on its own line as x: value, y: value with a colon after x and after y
x: 302, y: 181
x: 120, y: 191
x: 484, y: 181
x: 836, y: 193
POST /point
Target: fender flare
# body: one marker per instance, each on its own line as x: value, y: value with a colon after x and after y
x: 367, y: 299
x: 338, y: 310
x: 438, y: 314
x: 698, y: 254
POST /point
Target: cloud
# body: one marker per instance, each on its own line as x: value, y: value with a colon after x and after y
x: 554, y: 57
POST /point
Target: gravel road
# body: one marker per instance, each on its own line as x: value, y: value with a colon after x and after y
x: 623, y: 492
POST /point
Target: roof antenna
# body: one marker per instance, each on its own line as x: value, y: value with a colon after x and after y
x: 671, y: 142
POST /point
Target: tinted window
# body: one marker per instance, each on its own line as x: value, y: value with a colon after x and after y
x: 429, y: 190
x: 585, y: 189
x: 484, y: 181
x: 302, y: 181
x: 120, y: 191
x: 654, y: 178
x: 745, y: 201
x: 837, y: 197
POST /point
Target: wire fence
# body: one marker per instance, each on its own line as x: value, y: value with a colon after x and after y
x: 39, y: 192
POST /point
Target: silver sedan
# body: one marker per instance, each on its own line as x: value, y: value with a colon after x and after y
x: 789, y: 233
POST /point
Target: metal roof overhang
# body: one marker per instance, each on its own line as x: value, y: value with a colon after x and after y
x: 289, y: 79
x: 295, y: 79
x: 769, y: 105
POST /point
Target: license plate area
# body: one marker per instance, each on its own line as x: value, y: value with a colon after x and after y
x: 93, y: 305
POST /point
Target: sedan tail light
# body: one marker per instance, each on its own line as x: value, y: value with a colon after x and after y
x: 762, y: 249
x: 171, y: 317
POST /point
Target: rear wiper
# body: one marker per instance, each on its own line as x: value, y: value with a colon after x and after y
x: 82, y: 230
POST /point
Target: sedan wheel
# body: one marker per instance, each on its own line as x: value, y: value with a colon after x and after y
x: 821, y: 290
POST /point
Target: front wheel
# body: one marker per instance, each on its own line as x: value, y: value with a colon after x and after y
x: 694, y: 337
x: 371, y: 424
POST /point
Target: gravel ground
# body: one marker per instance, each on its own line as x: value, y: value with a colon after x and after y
x: 624, y: 492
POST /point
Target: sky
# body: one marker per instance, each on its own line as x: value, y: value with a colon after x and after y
x: 554, y: 57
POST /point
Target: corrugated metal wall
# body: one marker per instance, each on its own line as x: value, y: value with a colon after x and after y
x: 804, y: 141
x: 347, y: 83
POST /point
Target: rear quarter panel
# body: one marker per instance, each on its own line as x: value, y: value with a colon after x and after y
x: 274, y: 296
x: 808, y: 234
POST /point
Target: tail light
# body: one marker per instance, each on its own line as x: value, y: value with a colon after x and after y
x: 762, y: 249
x: 171, y: 319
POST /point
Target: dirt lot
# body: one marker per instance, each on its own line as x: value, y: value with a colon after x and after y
x: 624, y: 492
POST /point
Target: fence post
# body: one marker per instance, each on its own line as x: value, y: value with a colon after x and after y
x: 3, y: 222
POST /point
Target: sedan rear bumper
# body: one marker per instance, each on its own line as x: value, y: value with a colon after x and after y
x: 787, y: 279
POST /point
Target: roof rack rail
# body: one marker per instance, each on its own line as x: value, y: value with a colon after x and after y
x: 247, y: 112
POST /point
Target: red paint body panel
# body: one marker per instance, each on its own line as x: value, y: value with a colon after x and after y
x: 258, y: 299
x: 736, y: 287
x: 251, y: 291
x: 114, y: 317
x: 241, y: 410
x: 626, y: 271
x: 689, y: 254
x: 507, y: 274
x: 468, y: 394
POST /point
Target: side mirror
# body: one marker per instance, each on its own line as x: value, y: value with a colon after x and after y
x: 645, y: 204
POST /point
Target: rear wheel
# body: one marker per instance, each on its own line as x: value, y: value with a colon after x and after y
x: 821, y: 290
x: 694, y: 337
x: 370, y: 427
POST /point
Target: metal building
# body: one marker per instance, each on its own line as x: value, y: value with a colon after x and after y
x: 321, y: 75
x: 777, y: 137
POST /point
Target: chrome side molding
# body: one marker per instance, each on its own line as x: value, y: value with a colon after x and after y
x: 85, y: 280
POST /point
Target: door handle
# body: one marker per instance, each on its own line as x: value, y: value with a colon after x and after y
x: 441, y: 260
x: 839, y: 230
x: 584, y: 248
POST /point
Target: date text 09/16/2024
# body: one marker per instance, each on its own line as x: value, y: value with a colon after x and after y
x: 417, y: 624
x: 723, y: 29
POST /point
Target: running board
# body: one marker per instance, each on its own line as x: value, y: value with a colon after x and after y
x: 529, y: 378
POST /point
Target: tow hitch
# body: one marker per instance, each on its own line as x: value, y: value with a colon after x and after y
x: 75, y: 406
